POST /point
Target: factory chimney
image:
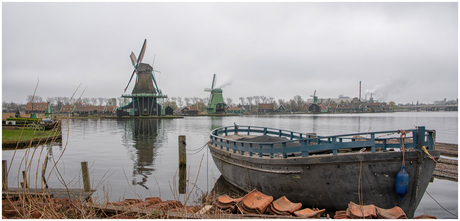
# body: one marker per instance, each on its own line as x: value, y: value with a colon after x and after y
x: 359, y: 90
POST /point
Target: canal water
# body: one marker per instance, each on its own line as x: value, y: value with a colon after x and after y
x: 138, y: 158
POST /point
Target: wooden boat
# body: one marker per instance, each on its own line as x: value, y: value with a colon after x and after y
x: 326, y: 171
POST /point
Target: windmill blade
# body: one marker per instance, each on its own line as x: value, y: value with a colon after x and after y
x: 213, y: 82
x: 130, y: 80
x: 141, y: 54
x: 155, y: 83
x: 207, y: 90
x: 153, y: 62
x: 133, y: 58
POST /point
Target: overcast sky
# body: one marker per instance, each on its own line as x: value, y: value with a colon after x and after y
x: 403, y: 52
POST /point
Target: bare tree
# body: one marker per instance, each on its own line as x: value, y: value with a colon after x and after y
x: 101, y: 101
x: 187, y: 101
x: 35, y: 99
x: 171, y: 104
x: 242, y: 101
x: 249, y: 100
x: 112, y: 102
x: 201, y: 105
x: 293, y: 105
x: 120, y: 102
x: 195, y: 100
x: 250, y: 103
x: 52, y: 100
x: 264, y: 99
x: 93, y: 101
x: 179, y: 102
x: 257, y: 99
x: 229, y: 101
x: 298, y: 102
x: 282, y: 102
x: 65, y: 100
x: 73, y: 100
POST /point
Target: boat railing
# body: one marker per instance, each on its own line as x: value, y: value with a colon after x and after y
x: 307, y: 143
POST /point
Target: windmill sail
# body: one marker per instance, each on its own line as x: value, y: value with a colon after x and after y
x: 133, y: 58
x: 141, y: 54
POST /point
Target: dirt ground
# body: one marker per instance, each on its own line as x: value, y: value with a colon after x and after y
x: 447, y: 168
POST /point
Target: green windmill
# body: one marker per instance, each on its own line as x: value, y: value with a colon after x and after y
x: 216, y: 103
x: 315, y: 98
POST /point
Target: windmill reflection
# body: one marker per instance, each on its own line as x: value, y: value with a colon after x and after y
x: 144, y: 139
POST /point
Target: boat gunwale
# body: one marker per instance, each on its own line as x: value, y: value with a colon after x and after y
x: 333, y: 142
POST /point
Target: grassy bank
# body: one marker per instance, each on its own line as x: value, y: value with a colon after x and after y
x: 15, y: 135
x: 24, y: 138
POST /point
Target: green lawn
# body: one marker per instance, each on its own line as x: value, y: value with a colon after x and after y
x: 13, y: 135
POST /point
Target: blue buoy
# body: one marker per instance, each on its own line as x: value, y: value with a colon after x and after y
x: 402, y: 182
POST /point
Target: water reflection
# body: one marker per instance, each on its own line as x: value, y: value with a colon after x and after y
x: 216, y: 122
x: 141, y: 134
x: 222, y: 186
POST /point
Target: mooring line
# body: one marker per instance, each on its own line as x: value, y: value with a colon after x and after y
x: 196, y: 151
x: 441, y: 205
x: 437, y: 163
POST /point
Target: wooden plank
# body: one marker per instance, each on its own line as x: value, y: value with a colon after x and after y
x: 184, y: 215
x: 71, y: 194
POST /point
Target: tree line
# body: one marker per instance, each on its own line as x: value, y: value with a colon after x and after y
x: 295, y: 104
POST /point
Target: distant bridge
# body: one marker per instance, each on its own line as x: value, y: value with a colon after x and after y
x: 433, y: 107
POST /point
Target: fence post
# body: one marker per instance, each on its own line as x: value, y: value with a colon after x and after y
x: 85, y: 174
x: 182, y: 151
x: 421, y: 137
x: 4, y: 175
x: 182, y: 164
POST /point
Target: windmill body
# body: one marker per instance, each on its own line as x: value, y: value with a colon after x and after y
x: 216, y: 103
x: 147, y: 99
x: 144, y: 80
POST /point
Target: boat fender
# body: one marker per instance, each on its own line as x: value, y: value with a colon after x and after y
x: 402, y: 182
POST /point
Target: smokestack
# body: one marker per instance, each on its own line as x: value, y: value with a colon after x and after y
x: 359, y: 90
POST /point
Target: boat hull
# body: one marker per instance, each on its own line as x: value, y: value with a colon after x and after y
x: 331, y: 181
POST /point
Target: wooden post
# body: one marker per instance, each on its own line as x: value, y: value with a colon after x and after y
x: 182, y: 152
x: 85, y: 174
x: 182, y: 164
x: 182, y: 180
x: 4, y: 175
x: 45, y: 164
x: 24, y: 184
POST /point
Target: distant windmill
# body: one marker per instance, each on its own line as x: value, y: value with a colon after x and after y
x: 314, y: 108
x: 315, y: 98
x: 216, y: 101
x: 145, y: 92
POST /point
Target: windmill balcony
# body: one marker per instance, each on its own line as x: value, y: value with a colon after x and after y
x: 144, y: 95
